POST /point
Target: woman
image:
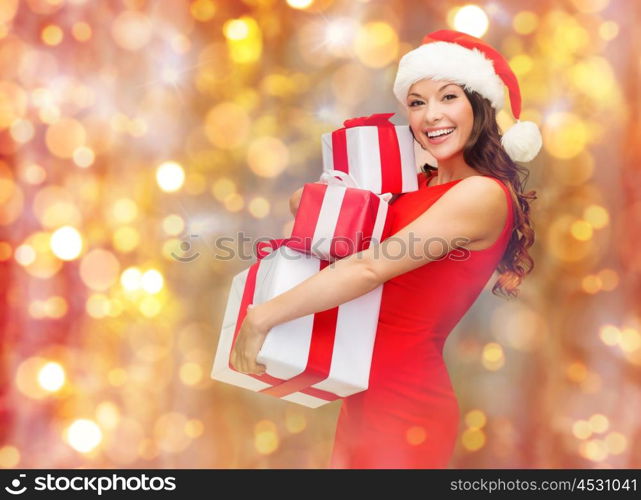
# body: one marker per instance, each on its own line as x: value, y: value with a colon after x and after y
x: 467, y: 219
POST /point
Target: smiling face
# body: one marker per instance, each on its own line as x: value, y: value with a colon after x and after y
x: 440, y: 104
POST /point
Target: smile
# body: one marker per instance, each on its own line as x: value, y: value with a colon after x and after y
x: 439, y: 139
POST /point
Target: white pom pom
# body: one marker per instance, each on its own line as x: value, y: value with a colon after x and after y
x: 522, y: 141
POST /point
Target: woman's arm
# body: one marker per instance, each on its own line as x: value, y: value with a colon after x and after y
x: 467, y: 212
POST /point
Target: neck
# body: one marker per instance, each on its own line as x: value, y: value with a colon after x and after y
x: 453, y: 169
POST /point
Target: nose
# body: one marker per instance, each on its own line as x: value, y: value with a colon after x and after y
x: 432, y: 114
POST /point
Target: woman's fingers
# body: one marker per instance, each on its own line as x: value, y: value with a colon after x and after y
x: 294, y: 201
x: 243, y: 364
x: 246, y: 349
x: 235, y: 361
x: 256, y: 369
x: 250, y: 365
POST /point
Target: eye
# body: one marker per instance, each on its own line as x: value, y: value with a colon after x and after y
x: 450, y: 95
x: 412, y: 103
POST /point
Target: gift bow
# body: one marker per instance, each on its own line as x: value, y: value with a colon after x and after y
x: 329, y: 177
x: 340, y: 178
x: 376, y: 120
x: 386, y: 197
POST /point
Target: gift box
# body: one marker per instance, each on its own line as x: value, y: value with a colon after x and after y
x: 336, y: 219
x: 375, y: 152
x: 311, y: 360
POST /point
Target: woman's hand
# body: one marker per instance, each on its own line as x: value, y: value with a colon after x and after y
x: 249, y: 341
x: 294, y: 201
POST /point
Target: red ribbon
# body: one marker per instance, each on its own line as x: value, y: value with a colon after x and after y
x: 354, y: 227
x: 307, y: 216
x: 319, y: 360
x: 356, y: 223
x: 263, y: 248
x: 390, y: 152
x: 376, y: 120
x: 320, y: 355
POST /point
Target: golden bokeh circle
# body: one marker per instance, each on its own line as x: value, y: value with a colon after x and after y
x: 227, y: 125
x: 267, y: 156
x: 376, y: 44
x: 65, y: 136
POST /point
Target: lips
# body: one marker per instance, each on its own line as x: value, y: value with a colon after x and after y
x: 440, y: 138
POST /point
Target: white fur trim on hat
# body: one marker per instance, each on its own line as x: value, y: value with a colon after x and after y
x: 450, y: 61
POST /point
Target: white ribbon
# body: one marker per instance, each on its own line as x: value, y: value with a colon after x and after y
x: 329, y: 177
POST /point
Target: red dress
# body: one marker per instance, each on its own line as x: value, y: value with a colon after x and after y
x: 409, y: 416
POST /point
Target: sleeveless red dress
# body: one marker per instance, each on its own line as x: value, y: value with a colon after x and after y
x: 409, y: 415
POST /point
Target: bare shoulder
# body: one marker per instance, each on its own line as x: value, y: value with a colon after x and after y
x: 479, y: 191
x: 470, y: 214
x: 482, y: 200
x: 479, y: 184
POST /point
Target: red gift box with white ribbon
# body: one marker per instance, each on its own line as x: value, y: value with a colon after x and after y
x: 336, y: 219
x: 311, y: 360
x: 376, y: 153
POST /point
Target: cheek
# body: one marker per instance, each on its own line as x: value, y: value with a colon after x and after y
x: 464, y: 122
x: 466, y: 116
x: 415, y: 127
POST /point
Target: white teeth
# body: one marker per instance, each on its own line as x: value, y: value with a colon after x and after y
x: 440, y: 132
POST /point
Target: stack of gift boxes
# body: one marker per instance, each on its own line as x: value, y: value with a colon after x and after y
x: 325, y: 356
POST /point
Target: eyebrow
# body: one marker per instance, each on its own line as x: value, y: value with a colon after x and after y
x: 419, y: 95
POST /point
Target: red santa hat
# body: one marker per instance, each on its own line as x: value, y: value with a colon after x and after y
x: 471, y: 62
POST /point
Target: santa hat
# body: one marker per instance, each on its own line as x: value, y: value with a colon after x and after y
x: 469, y: 61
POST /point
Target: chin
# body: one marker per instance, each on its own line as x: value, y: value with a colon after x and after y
x: 442, y: 156
x: 445, y: 155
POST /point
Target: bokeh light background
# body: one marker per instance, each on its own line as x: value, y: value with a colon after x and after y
x: 135, y: 134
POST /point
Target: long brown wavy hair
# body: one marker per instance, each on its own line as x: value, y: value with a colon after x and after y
x: 484, y: 152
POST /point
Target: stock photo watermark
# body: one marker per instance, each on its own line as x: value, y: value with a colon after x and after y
x: 242, y: 246
x: 89, y: 482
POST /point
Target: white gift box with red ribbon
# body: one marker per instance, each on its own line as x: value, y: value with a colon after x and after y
x: 336, y: 219
x: 375, y: 152
x: 311, y: 360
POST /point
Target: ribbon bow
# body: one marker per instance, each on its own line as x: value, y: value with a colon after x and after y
x: 376, y: 120
x: 340, y: 178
